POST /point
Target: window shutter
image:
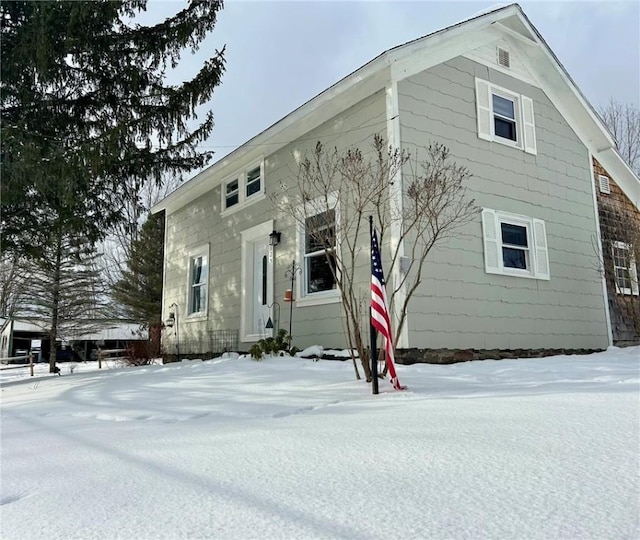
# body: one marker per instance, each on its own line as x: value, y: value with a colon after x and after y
x: 490, y: 237
x: 483, y: 106
x: 542, y: 254
x: 528, y: 126
x: 633, y: 274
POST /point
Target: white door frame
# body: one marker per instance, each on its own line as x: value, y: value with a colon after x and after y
x: 248, y: 239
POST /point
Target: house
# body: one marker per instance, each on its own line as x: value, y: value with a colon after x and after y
x: 493, y: 92
x: 620, y: 232
x: 21, y: 336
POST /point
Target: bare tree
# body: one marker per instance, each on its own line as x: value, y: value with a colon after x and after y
x: 333, y: 195
x: 623, y: 121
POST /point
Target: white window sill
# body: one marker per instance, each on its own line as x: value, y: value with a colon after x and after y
x: 516, y: 273
x: 195, y: 317
x: 247, y: 202
x: 319, y: 299
x: 507, y: 142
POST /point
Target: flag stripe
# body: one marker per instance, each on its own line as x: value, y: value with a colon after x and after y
x: 379, y: 312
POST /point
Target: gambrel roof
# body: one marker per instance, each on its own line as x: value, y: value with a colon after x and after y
x: 507, y: 24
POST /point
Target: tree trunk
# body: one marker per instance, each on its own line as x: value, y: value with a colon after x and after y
x: 55, y: 306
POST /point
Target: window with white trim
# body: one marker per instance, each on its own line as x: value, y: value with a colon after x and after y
x: 232, y: 193
x: 319, y: 252
x: 505, y: 117
x: 514, y: 245
x: 243, y: 188
x: 198, y: 277
x: 624, y: 268
x: 254, y: 179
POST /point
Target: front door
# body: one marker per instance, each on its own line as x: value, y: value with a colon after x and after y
x: 259, y: 302
x: 257, y: 281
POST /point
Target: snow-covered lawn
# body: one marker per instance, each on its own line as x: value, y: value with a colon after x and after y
x: 287, y: 448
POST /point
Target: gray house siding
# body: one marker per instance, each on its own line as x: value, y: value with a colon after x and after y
x: 200, y: 224
x: 459, y: 305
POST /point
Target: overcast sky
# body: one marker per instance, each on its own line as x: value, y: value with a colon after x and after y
x: 281, y: 54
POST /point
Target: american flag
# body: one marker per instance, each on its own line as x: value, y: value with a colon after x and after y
x: 379, y: 313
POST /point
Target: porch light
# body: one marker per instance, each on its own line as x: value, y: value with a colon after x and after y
x: 274, y: 238
x: 170, y: 320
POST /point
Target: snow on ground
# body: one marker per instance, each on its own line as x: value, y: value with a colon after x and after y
x: 288, y: 448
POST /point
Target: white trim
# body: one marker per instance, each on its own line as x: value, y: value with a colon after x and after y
x: 248, y: 238
x: 243, y: 200
x: 433, y: 49
x: 523, y: 116
x: 633, y: 272
x: 313, y: 208
x: 603, y: 279
x: 198, y: 251
x: 394, y: 140
x: 536, y: 250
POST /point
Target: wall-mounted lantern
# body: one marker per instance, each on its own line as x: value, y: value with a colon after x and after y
x: 274, y: 238
x: 171, y: 320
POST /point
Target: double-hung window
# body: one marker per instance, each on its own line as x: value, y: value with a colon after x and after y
x: 624, y: 268
x: 253, y: 181
x: 505, y: 116
x: 319, y: 252
x: 198, y: 277
x: 243, y: 188
x: 232, y: 193
x: 514, y: 245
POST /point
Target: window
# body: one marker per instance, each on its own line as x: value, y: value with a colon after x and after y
x: 243, y: 188
x: 198, y: 275
x: 505, y: 117
x: 253, y: 181
x: 232, y: 196
x: 624, y: 269
x: 514, y: 245
x: 320, y: 244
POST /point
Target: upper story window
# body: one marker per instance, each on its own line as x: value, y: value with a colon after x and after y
x: 624, y: 268
x: 232, y: 193
x: 198, y: 279
x: 319, y: 252
x: 243, y: 188
x: 514, y: 245
x: 253, y: 181
x: 505, y: 117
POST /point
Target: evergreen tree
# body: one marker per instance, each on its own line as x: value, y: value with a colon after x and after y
x: 140, y: 288
x: 87, y: 117
x: 86, y: 113
x: 65, y: 289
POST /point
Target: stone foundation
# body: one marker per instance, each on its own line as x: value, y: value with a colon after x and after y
x: 453, y: 356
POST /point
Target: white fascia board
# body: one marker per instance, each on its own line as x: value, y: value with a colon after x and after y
x: 364, y: 82
x: 322, y: 104
x: 620, y: 173
x: 443, y: 49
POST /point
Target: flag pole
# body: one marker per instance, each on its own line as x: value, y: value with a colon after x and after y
x: 374, y: 335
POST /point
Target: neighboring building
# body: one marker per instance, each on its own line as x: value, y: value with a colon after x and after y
x: 620, y: 231
x: 23, y: 336
x: 493, y: 92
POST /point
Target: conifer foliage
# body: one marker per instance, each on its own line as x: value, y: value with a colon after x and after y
x: 87, y: 115
x: 140, y: 288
